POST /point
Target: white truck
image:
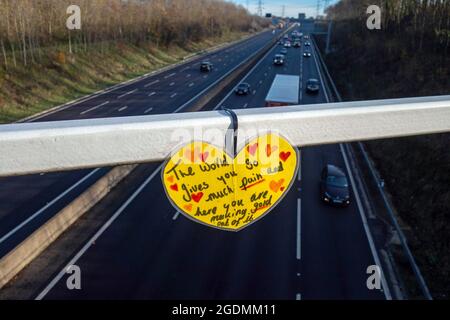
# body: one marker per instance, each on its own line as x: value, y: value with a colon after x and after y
x: 284, y: 91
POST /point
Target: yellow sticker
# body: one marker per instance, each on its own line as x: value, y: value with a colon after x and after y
x: 210, y: 187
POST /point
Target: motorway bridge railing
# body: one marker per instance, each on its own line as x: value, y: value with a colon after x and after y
x: 27, y: 148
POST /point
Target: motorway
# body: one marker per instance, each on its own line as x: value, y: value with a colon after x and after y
x: 302, y: 250
x: 27, y: 202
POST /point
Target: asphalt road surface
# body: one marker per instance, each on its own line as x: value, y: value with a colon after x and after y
x: 27, y: 202
x: 302, y: 249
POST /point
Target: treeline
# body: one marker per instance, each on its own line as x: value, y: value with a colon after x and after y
x: 411, y: 50
x: 408, y: 57
x: 422, y: 24
x: 28, y: 26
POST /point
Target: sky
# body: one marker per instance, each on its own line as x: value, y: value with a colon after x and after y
x: 293, y: 7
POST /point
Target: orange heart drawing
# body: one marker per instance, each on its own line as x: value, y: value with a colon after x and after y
x: 275, y: 186
x: 270, y: 149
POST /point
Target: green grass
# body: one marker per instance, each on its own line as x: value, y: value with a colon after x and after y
x: 60, y: 77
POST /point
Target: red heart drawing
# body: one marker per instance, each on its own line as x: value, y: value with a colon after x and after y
x: 284, y: 156
x: 270, y: 150
x: 188, y: 207
x: 174, y: 187
x: 170, y: 179
x: 204, y: 156
x: 252, y: 149
x: 197, y: 196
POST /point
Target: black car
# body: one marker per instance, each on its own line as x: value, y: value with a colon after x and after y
x: 307, y: 54
x: 278, y: 59
x: 242, y: 89
x: 206, y: 66
x: 334, y: 186
x: 297, y: 45
x: 307, y: 44
x: 313, y: 86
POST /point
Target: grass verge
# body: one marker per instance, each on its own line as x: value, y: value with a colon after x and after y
x: 60, y: 77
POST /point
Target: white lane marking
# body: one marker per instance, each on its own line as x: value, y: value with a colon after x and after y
x: 269, y: 52
x: 170, y: 75
x: 79, y: 182
x: 298, y: 297
x: 220, y: 79
x: 126, y: 94
x: 172, y: 84
x: 175, y: 217
x: 184, y: 69
x: 361, y: 211
x: 188, y: 76
x: 99, y: 93
x: 191, y: 84
x: 254, y: 92
x: 72, y: 103
x: 299, y: 229
x: 123, y: 109
x: 48, y: 205
x: 205, y: 76
x: 228, y: 73
x: 173, y: 95
x: 299, y: 178
x: 148, y: 110
x: 246, y: 105
x: 151, y: 83
x: 320, y: 75
x: 94, y: 108
x: 97, y: 235
x: 151, y: 94
x: 134, y: 195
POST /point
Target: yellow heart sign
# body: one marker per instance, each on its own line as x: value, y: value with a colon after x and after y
x: 208, y: 186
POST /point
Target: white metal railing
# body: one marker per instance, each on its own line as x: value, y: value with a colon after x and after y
x: 64, y: 145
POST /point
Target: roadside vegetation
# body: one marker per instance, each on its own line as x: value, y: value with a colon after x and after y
x: 408, y: 57
x: 44, y: 64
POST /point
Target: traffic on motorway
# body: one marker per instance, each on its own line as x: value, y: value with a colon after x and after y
x: 314, y: 245
x: 218, y: 160
x: 177, y: 89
